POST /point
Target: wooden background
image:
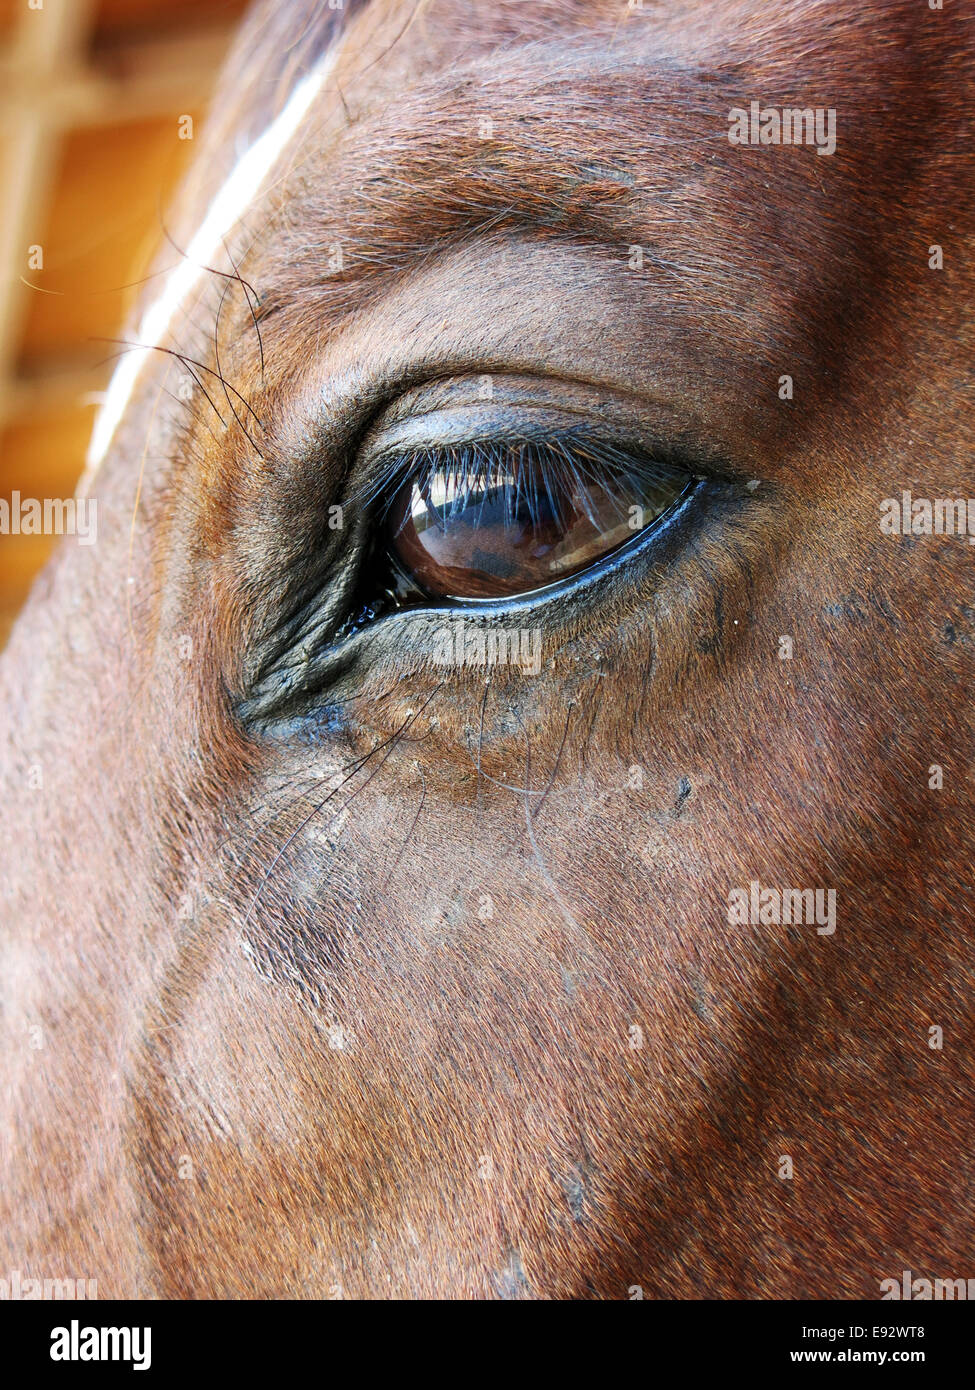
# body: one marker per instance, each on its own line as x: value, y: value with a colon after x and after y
x: 91, y: 96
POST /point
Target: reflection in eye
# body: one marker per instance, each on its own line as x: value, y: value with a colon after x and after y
x: 493, y: 519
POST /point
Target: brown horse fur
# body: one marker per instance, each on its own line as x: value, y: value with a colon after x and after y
x: 377, y: 978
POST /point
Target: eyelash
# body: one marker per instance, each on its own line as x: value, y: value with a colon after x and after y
x: 551, y: 468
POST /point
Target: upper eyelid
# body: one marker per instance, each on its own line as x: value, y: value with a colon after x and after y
x: 451, y: 407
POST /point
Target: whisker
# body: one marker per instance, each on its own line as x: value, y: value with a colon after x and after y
x: 409, y: 833
x: 216, y: 358
x: 558, y: 759
x: 187, y: 363
x: 317, y: 808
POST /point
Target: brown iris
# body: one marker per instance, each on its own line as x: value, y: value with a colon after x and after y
x: 508, y: 525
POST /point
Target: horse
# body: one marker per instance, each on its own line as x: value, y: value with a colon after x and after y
x: 490, y: 816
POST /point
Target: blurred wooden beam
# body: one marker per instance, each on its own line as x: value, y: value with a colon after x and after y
x: 45, y: 41
x: 143, y: 80
x: 50, y: 85
x: 44, y: 392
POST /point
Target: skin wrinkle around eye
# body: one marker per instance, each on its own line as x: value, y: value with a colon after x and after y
x: 394, y: 228
x: 426, y: 332
x: 554, y: 304
x: 491, y: 405
x: 558, y: 295
x: 426, y: 347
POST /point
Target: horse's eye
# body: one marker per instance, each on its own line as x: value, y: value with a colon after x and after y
x: 494, y: 521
